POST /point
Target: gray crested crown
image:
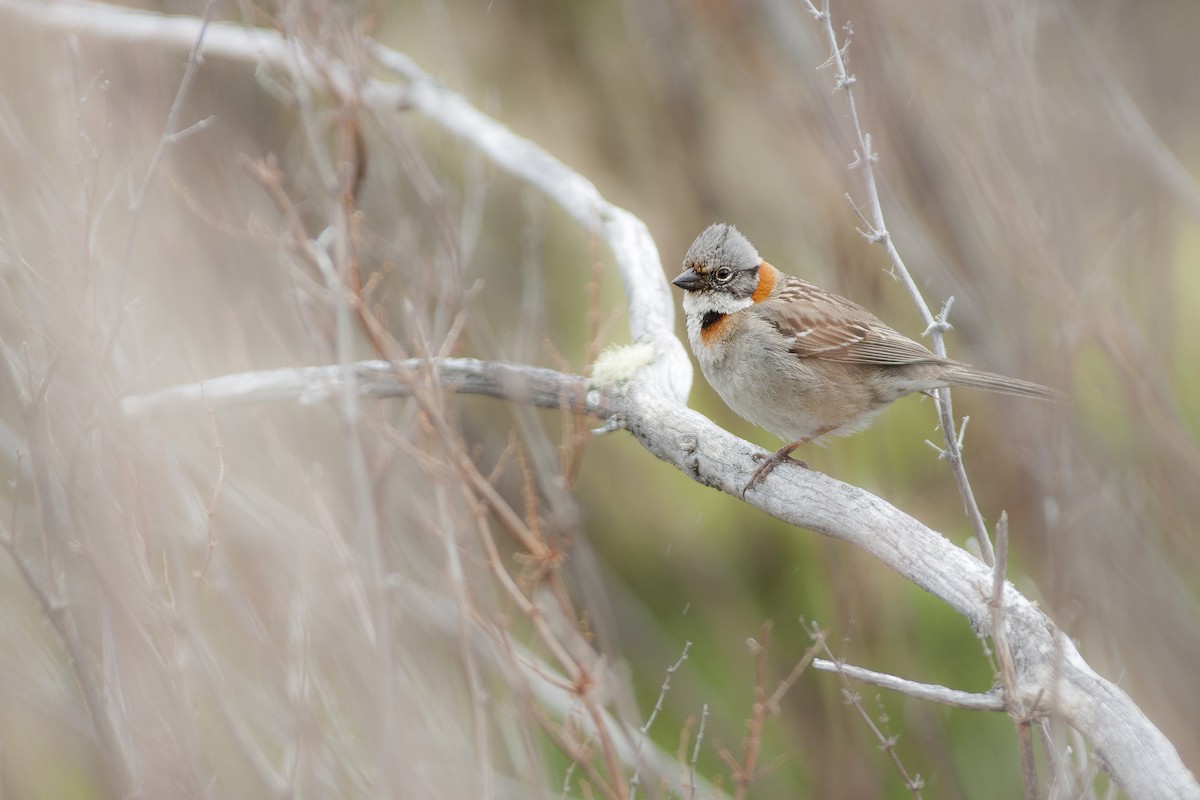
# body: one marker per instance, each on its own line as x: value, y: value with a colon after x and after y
x: 721, y: 245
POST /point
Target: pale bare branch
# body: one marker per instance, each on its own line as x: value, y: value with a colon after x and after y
x: 931, y: 692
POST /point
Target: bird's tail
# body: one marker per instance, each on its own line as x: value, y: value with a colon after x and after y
x: 962, y: 375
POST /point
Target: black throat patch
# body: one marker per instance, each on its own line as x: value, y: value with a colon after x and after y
x: 711, y: 318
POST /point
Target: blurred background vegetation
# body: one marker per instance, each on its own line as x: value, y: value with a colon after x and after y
x: 1036, y: 162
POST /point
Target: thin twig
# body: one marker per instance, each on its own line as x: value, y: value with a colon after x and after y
x: 877, y: 231
x: 645, y: 729
x: 797, y: 671
x: 745, y: 773
x: 887, y: 743
x: 573, y: 669
x: 567, y: 778
x: 691, y: 784
x: 1008, y: 670
x: 1050, y: 751
x: 931, y: 692
x: 58, y: 613
x: 465, y: 613
x: 210, y: 513
x: 169, y: 136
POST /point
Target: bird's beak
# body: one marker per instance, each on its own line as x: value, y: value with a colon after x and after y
x: 688, y: 279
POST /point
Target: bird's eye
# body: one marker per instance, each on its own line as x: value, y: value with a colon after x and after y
x: 724, y: 274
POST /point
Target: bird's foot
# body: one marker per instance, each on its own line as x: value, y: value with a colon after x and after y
x: 770, y: 462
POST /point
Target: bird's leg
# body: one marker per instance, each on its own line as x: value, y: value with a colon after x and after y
x: 770, y: 462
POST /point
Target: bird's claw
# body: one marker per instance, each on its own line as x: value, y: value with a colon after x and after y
x: 769, y: 462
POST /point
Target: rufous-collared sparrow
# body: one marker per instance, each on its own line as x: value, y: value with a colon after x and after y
x: 798, y: 360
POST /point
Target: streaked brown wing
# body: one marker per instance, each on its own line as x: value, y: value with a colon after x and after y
x: 822, y: 325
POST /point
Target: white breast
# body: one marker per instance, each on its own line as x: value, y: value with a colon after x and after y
x: 762, y: 383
